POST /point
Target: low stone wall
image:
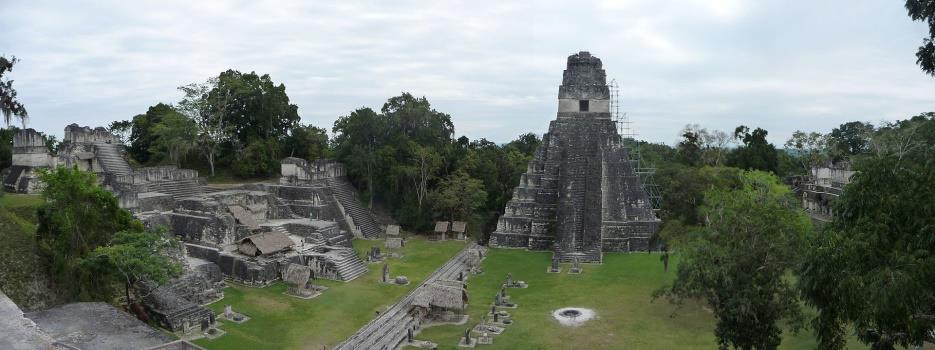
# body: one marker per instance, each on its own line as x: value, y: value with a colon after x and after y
x: 157, y: 174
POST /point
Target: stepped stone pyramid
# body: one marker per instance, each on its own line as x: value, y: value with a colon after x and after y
x: 580, y: 195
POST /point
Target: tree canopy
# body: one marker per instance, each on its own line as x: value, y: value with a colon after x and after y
x: 10, y: 107
x: 924, y: 10
x: 873, y: 265
x: 76, y: 217
x: 737, y: 260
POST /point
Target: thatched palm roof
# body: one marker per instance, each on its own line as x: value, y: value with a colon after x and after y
x: 265, y: 243
x: 458, y: 226
x: 441, y: 226
x: 296, y: 275
x: 443, y: 294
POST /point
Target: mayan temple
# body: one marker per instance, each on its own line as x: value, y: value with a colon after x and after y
x: 580, y: 195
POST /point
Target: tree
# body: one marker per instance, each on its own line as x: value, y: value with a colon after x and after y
x: 415, y: 120
x: 52, y: 144
x: 121, y: 129
x: 142, y: 138
x: 6, y: 146
x: 526, y: 143
x: 690, y: 147
x: 76, y: 217
x: 424, y: 163
x: 756, y: 153
x: 459, y: 196
x: 737, y: 261
x: 175, y: 136
x: 924, y: 10
x: 259, y: 159
x: 10, y: 107
x: 307, y: 142
x: 209, y: 113
x: 850, y: 139
x: 714, y: 145
x: 810, y: 148
x: 256, y: 108
x: 872, y: 266
x: 357, y: 137
x: 137, y: 256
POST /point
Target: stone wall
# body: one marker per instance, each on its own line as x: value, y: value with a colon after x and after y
x: 29, y: 149
x: 83, y: 134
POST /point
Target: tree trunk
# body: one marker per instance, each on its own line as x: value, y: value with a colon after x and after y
x: 211, y: 162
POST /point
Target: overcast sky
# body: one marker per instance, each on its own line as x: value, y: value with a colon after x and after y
x: 495, y: 66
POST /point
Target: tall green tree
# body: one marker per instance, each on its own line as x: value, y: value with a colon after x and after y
x: 210, y: 115
x: 121, y: 129
x: 175, y: 136
x: 850, y: 139
x: 10, y: 107
x: 811, y: 149
x: 874, y: 265
x: 756, y: 153
x: 357, y: 138
x: 76, y: 217
x: 737, y: 261
x: 690, y: 147
x: 255, y: 107
x: 307, y: 142
x: 142, y: 138
x: 459, y: 196
x: 924, y: 10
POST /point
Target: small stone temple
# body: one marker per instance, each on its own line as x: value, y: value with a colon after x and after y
x: 580, y: 194
x: 824, y: 185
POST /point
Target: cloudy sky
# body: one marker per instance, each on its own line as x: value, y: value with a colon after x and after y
x: 495, y: 66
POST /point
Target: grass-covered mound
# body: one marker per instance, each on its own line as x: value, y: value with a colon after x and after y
x: 619, y: 291
x: 22, y: 275
x: 278, y: 321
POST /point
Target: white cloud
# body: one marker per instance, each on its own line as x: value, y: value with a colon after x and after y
x: 494, y: 66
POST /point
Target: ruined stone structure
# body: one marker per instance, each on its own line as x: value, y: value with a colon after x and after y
x: 99, y: 151
x: 819, y: 190
x: 328, y: 179
x: 580, y: 194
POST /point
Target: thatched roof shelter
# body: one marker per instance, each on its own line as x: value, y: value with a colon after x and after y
x: 265, y: 243
x: 441, y: 226
x: 297, y: 275
x: 458, y: 226
x: 443, y: 294
x: 392, y: 230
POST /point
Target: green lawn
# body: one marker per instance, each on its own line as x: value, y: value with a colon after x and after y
x: 282, y: 322
x: 620, y: 293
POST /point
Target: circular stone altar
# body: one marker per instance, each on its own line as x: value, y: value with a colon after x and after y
x: 573, y: 316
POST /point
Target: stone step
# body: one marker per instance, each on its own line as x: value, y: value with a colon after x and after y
x: 346, y: 195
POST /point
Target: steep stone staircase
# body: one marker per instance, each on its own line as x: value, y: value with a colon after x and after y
x: 349, y: 265
x: 346, y: 195
x: 108, y: 156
